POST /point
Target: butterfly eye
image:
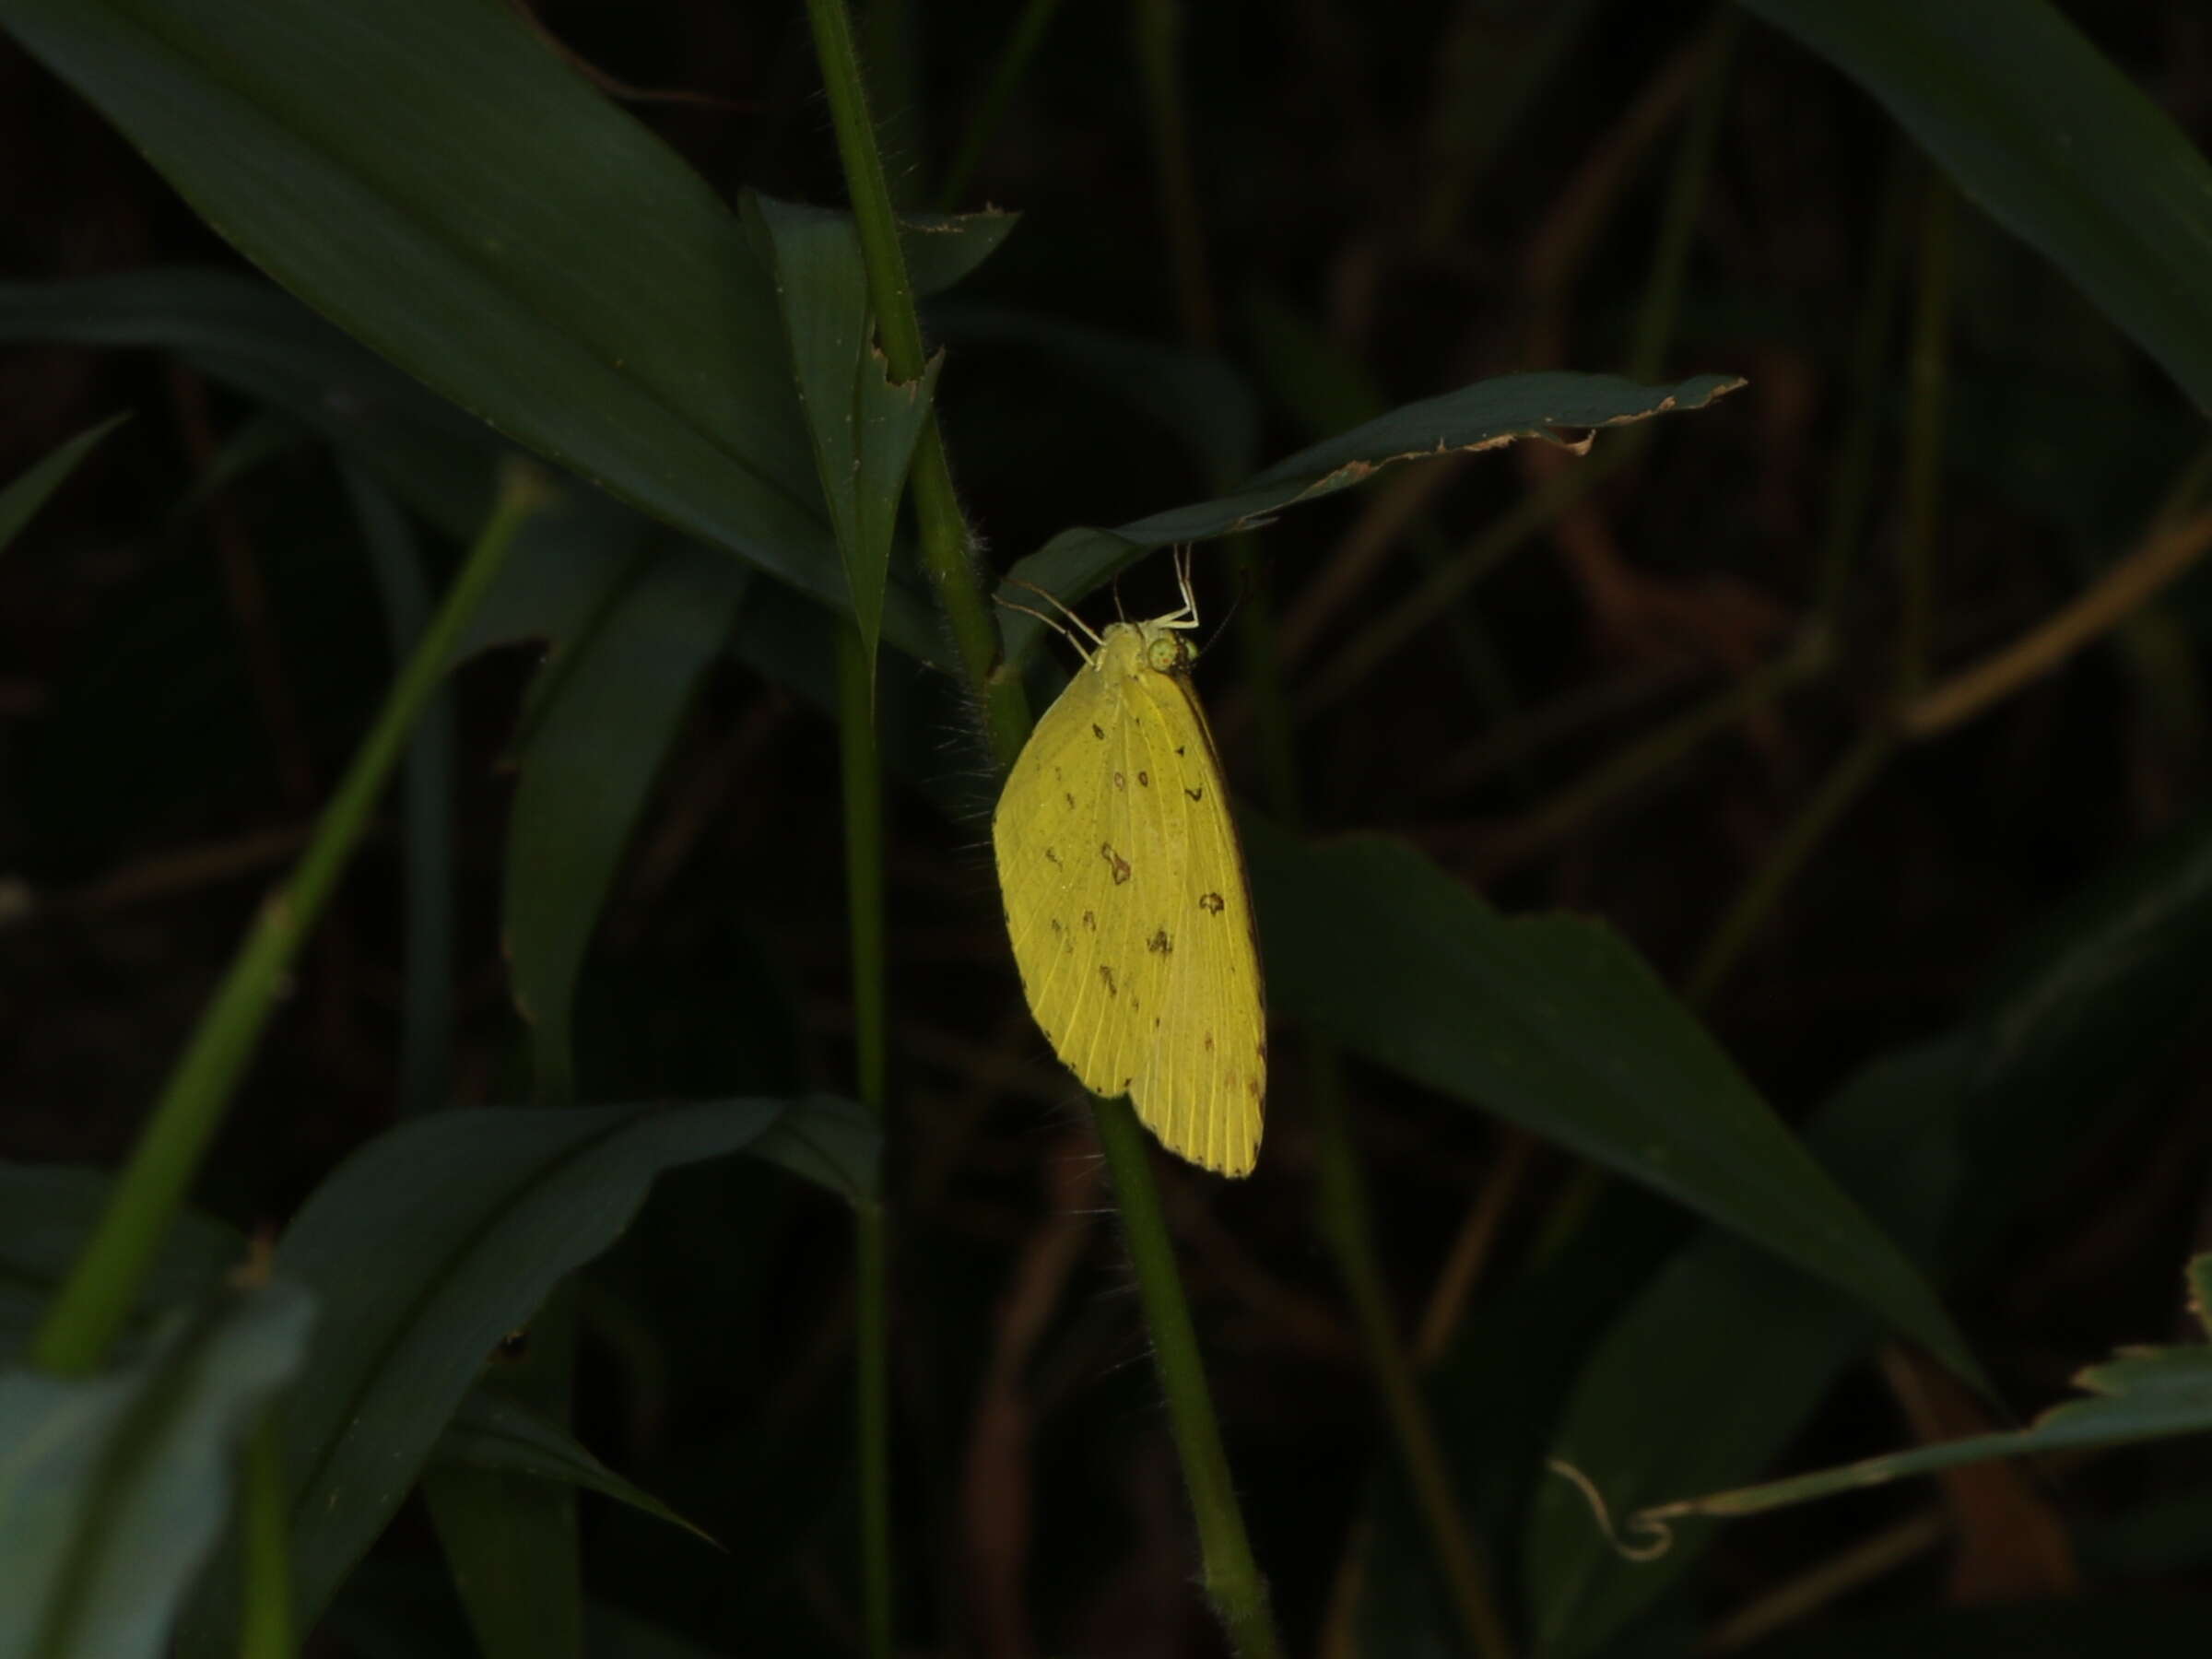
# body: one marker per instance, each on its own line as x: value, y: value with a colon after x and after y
x: 1167, y: 654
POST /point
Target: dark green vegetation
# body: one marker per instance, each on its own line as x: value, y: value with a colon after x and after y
x: 521, y: 1135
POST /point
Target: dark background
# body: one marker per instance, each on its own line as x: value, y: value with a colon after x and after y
x: 181, y: 676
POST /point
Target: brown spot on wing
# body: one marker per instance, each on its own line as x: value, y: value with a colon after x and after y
x: 1195, y: 794
x: 1120, y: 781
x: 1144, y: 779
x: 1210, y: 903
x: 1097, y: 730
x: 1106, y: 975
x: 1160, y: 942
x: 1119, y: 864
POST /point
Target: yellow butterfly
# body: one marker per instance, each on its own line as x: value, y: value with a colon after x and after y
x: 1125, y: 896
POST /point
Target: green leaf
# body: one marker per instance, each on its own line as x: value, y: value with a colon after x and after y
x: 862, y: 426
x: 114, y: 1488
x: 1715, y: 1366
x: 1942, y: 1143
x: 27, y: 493
x: 426, y: 805
x: 610, y: 707
x: 253, y: 337
x: 2139, y: 1394
x: 1559, y: 407
x: 1555, y: 1023
x: 2040, y: 130
x: 943, y: 249
x: 46, y: 1214
x: 510, y: 1543
x: 505, y: 1437
x: 439, y: 1237
x: 1495, y: 1420
x: 2110, y: 978
x: 565, y: 568
x: 516, y: 242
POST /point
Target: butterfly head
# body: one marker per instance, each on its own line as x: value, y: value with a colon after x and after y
x: 1167, y: 651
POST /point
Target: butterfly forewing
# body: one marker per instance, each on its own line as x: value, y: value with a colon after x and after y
x: 1127, y: 904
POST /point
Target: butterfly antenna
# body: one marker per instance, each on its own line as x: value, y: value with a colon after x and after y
x: 1051, y: 622
x: 1056, y: 602
x: 1118, y: 611
x: 1236, y: 604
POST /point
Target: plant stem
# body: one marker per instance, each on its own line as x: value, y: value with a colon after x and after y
x: 1157, y: 27
x: 865, y: 908
x: 1929, y: 354
x: 1347, y: 1223
x: 1926, y: 375
x: 1006, y: 75
x: 1662, y: 301
x: 1628, y: 769
x: 1537, y: 510
x: 863, y: 789
x: 1233, y: 1578
x: 426, y: 807
x: 1232, y: 1575
x: 872, y: 1404
x: 1533, y: 512
x: 1348, y: 1226
x: 944, y: 539
x: 2167, y: 553
x: 1784, y: 860
x: 1848, y: 485
x: 265, y: 1628
x: 94, y: 1300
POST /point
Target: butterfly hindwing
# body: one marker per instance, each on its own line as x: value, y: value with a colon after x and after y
x: 1204, y: 1095
x: 1127, y: 904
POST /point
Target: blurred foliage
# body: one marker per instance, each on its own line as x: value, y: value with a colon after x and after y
x: 1951, y: 1101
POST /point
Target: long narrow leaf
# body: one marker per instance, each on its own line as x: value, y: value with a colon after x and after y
x: 113, y: 1488
x: 435, y: 1241
x: 23, y: 497
x: 595, y: 745
x: 1560, y: 406
x: 1943, y: 1143
x: 2138, y: 1395
x: 47, y: 1212
x: 442, y: 186
x: 2037, y: 127
x: 503, y: 1436
x: 1555, y: 1023
x: 863, y: 426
